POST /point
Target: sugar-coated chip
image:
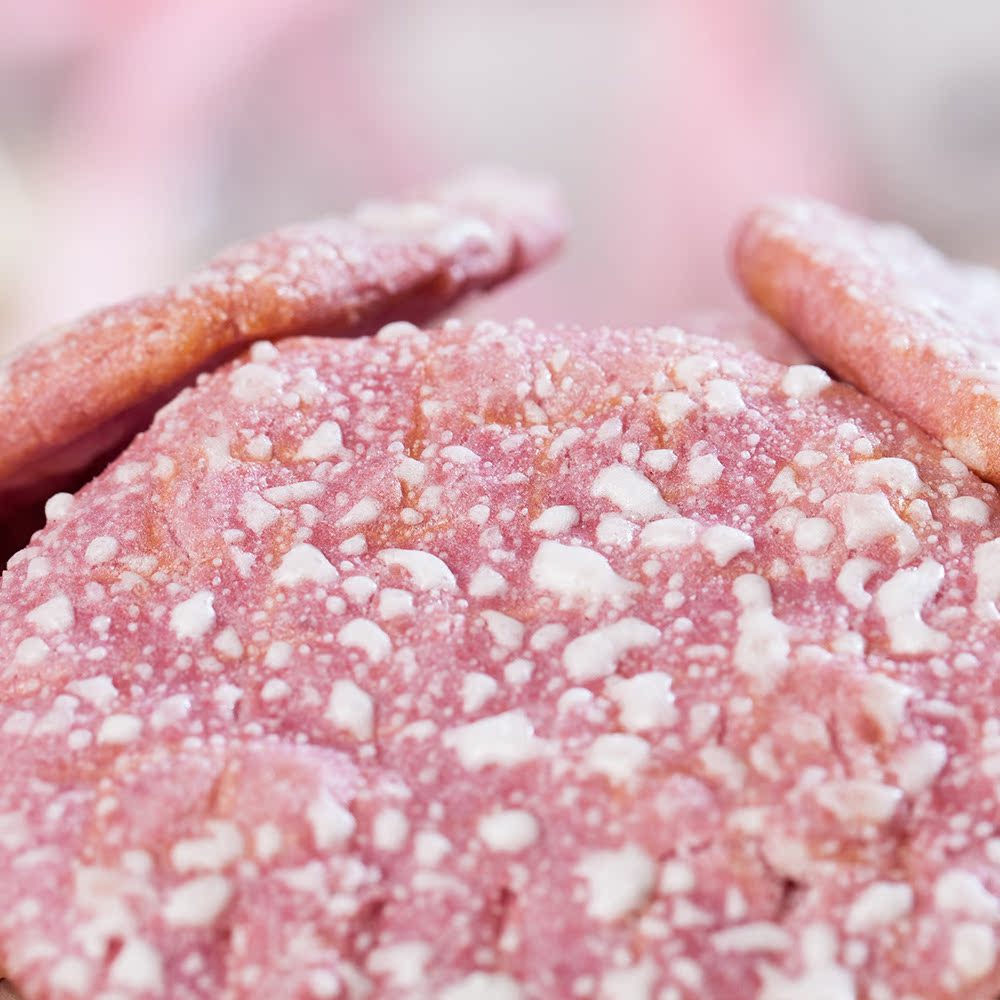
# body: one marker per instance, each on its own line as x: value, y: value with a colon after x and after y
x: 507, y: 662
x: 87, y: 388
x: 887, y: 312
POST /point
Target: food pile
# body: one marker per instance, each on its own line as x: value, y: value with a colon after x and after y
x: 497, y: 662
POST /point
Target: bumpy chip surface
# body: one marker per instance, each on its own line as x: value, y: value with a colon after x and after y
x: 642, y: 667
x: 887, y: 312
x: 88, y: 387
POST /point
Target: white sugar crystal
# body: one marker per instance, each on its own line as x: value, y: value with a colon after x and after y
x: 354, y: 545
x: 278, y: 655
x: 918, y: 766
x: 645, y: 701
x: 676, y: 878
x: 961, y: 891
x: 596, y: 654
x: 291, y: 493
x: 58, y: 506
x: 868, y: 518
x: 724, y: 543
x: 618, y: 756
x: 896, y: 474
x: 973, y: 950
x: 403, y: 963
x: 506, y: 739
x: 304, y: 563
x: 390, y: 830
x: 352, y: 709
x: 884, y: 702
x: 477, y: 689
x: 198, y: 902
x: 630, y: 491
x: 364, y: 511
x: 508, y: 831
x: 54, y: 616
x: 325, y: 442
x: 39, y: 567
x: 851, y: 581
x: 460, y: 455
x: 101, y: 549
x: 117, y: 730
x: 969, y: 509
x: 427, y: 571
x: 859, y: 801
x: 98, y: 691
x: 691, y: 370
x: 487, y: 582
x: 260, y: 448
x: 618, y: 882
x: 670, y: 533
x: 252, y: 382
x: 267, y: 841
x: 577, y: 573
x: 192, y: 618
x: 813, y: 534
x: 660, y: 459
x: 900, y: 601
x: 332, y: 825
x: 365, y: 635
x: 506, y: 631
x: 411, y: 471
x: 479, y: 513
x: 74, y: 976
x: 228, y: 643
x: 138, y: 968
x: 880, y: 905
x: 610, y: 429
x: 754, y: 937
x: 275, y: 689
x: 704, y: 470
x: 724, y: 397
x: 804, y: 381
x: 635, y: 982
x: 674, y: 406
x: 762, y: 647
x: 565, y: 441
x: 613, y: 529
x: 170, y: 711
x: 395, y: 603
x: 556, y: 520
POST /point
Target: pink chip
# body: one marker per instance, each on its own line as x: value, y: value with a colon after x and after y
x: 641, y: 667
x: 69, y: 401
x: 887, y: 312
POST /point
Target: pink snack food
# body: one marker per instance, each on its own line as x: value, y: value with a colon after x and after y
x: 644, y: 667
x: 887, y: 312
x: 72, y: 399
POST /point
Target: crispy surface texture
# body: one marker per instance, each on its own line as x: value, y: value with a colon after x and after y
x: 87, y: 388
x: 641, y: 665
x: 887, y: 312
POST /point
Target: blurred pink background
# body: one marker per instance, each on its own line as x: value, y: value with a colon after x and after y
x: 137, y: 137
